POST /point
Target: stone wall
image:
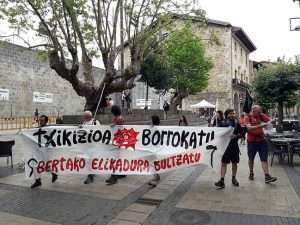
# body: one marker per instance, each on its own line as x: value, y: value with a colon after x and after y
x: 23, y: 72
x: 219, y: 85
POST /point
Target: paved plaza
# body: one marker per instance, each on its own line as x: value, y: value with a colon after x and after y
x: 183, y: 197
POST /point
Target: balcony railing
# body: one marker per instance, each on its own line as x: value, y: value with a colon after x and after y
x: 239, y: 84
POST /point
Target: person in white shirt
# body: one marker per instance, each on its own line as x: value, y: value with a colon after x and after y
x: 87, y: 119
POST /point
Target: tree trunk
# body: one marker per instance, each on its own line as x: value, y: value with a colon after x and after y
x: 177, y: 100
x: 280, y: 117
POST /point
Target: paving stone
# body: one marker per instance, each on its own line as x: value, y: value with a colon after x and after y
x: 10, y: 219
x: 74, y: 184
x: 146, y: 209
x: 132, y: 216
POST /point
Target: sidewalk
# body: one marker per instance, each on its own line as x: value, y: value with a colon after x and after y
x: 183, y: 197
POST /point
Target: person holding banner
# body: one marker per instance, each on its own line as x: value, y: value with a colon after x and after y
x: 218, y: 119
x: 43, y: 121
x: 117, y: 120
x: 87, y: 119
x: 156, y: 177
x: 255, y: 122
x: 232, y: 151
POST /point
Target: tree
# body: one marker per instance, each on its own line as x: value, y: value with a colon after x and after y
x: 74, y: 32
x: 276, y: 84
x: 181, y: 65
x: 155, y: 72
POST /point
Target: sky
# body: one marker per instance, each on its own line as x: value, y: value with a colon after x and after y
x: 266, y: 22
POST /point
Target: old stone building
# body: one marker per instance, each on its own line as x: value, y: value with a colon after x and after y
x: 232, y: 72
x: 229, y: 48
x: 27, y: 83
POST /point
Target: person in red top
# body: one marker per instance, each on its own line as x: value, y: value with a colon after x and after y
x: 117, y: 120
x: 255, y: 122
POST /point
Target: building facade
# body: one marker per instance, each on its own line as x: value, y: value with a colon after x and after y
x: 232, y: 73
x: 229, y: 48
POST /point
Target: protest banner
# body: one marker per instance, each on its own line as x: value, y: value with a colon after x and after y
x: 124, y: 149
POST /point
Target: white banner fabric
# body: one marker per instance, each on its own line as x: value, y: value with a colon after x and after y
x: 127, y: 149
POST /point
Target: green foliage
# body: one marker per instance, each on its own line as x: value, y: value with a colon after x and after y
x: 185, y: 55
x: 181, y: 64
x: 154, y: 71
x: 277, y: 83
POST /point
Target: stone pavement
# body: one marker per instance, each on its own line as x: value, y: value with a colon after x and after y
x: 183, y: 197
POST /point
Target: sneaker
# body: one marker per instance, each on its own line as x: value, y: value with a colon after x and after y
x: 220, y: 184
x: 54, y: 177
x: 37, y: 183
x: 89, y: 179
x: 112, y: 180
x: 235, y: 182
x: 122, y: 176
x: 270, y: 179
x: 251, y: 176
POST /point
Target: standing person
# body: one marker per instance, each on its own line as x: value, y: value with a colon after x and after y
x: 43, y: 121
x: 117, y: 120
x: 166, y: 108
x: 218, y: 119
x: 183, y: 121
x: 255, y: 122
x: 232, y: 151
x: 244, y: 128
x: 156, y: 177
x: 36, y: 115
x: 128, y: 102
x: 87, y: 119
x: 123, y: 100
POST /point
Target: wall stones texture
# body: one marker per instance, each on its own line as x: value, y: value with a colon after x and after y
x: 23, y: 72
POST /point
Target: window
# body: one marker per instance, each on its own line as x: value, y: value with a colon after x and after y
x: 235, y: 74
x: 235, y: 46
x: 241, y: 52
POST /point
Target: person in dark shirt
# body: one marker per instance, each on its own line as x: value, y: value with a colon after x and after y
x: 156, y: 177
x: 43, y: 121
x: 232, y: 152
x: 218, y: 119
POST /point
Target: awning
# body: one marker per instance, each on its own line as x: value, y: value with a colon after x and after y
x: 203, y: 105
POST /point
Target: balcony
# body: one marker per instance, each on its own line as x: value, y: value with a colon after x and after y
x: 236, y: 83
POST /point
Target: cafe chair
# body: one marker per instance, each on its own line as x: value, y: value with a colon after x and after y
x: 280, y: 151
x: 6, y: 151
x: 296, y: 151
